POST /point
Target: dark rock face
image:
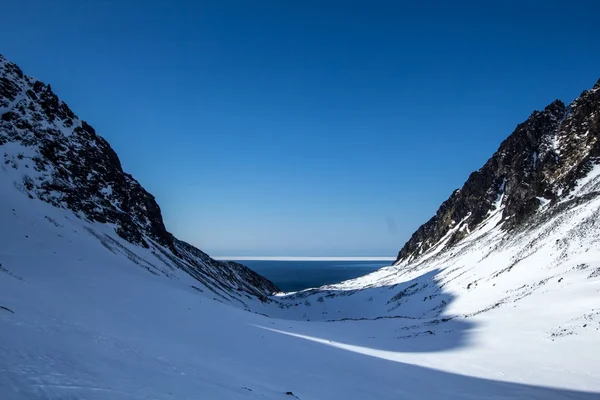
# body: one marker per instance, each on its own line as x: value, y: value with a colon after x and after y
x: 68, y: 165
x: 541, y: 160
x: 75, y: 167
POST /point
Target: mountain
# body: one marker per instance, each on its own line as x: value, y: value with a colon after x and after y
x: 503, y: 281
x: 537, y: 165
x: 98, y: 301
x: 50, y: 154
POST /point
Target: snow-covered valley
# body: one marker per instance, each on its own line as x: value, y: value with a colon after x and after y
x: 99, y: 301
x: 81, y: 322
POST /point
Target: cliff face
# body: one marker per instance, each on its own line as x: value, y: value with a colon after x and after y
x: 538, y: 163
x: 61, y: 160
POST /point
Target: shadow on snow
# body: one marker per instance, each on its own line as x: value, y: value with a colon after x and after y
x: 405, y: 317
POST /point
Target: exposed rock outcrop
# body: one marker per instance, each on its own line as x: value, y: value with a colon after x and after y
x: 538, y: 163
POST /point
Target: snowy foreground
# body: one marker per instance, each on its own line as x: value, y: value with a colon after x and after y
x: 494, y: 318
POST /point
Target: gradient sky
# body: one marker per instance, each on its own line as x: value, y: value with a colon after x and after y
x: 304, y: 128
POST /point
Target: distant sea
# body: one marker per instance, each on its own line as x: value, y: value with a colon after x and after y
x: 291, y: 276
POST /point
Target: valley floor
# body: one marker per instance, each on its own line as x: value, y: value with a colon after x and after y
x: 83, y: 334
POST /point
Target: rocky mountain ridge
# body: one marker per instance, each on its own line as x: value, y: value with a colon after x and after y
x: 61, y: 160
x: 538, y: 164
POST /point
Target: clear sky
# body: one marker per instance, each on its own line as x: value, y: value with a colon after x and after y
x: 304, y: 128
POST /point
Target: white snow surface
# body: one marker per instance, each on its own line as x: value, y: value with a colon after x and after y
x: 494, y: 317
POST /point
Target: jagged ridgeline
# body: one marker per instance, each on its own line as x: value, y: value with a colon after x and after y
x: 537, y: 164
x: 64, y: 162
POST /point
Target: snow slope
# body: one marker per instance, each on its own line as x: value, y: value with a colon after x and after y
x: 520, y: 306
x: 81, y: 322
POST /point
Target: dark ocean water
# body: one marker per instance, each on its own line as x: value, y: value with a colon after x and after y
x: 291, y: 276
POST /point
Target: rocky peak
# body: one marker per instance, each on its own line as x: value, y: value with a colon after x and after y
x: 539, y: 162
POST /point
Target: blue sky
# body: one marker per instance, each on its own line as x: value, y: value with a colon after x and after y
x: 304, y: 128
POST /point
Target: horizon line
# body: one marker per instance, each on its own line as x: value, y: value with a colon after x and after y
x: 300, y: 258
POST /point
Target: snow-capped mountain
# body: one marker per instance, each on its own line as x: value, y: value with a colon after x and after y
x: 538, y: 164
x: 537, y: 196
x: 496, y: 297
x: 504, y: 278
x: 49, y: 154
